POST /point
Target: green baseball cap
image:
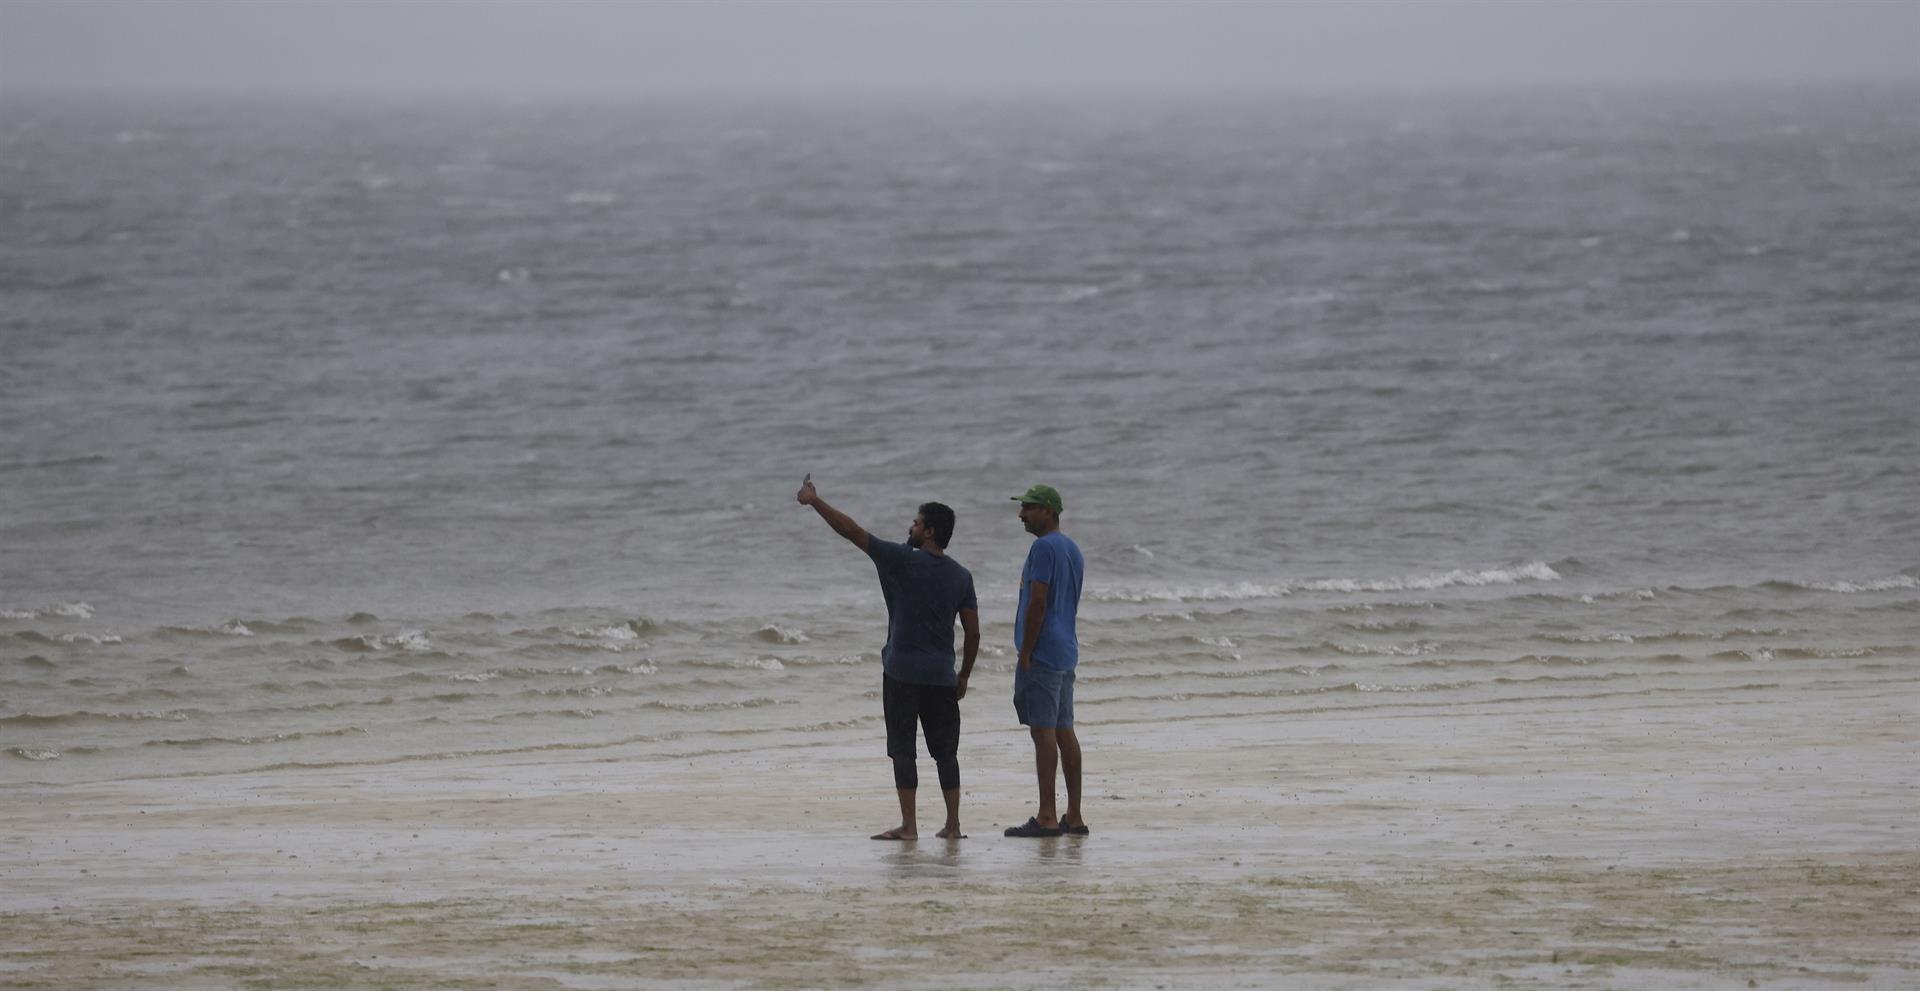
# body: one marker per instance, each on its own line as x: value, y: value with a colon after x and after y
x: 1045, y: 495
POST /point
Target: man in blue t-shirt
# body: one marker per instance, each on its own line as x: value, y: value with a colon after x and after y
x: 1049, y: 652
x: 925, y: 590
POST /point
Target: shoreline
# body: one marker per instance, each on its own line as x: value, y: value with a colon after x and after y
x: 1757, y: 836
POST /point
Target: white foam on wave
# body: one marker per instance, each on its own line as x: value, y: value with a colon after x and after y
x: 606, y: 633
x: 231, y: 628
x: 1587, y: 637
x: 610, y: 638
x: 64, y: 610
x: 404, y: 640
x: 96, y: 638
x: 1415, y: 649
x: 494, y: 674
x: 36, y: 753
x: 1189, y: 593
x: 1532, y: 571
x: 1891, y: 583
x: 773, y: 633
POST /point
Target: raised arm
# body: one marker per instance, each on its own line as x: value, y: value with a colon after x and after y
x: 970, y: 629
x: 841, y: 523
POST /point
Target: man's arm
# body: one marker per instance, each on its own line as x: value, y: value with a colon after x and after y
x: 1036, y: 614
x: 841, y: 523
x: 970, y: 628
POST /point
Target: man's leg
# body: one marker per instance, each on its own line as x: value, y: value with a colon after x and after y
x: 1046, y: 753
x: 908, y: 827
x: 897, y: 701
x: 951, y: 831
x: 1070, y: 769
x: 1069, y: 750
x: 940, y: 724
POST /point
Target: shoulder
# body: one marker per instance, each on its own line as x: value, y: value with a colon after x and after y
x: 886, y: 550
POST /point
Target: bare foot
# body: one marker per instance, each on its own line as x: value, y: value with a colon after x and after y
x: 952, y: 832
x: 898, y: 833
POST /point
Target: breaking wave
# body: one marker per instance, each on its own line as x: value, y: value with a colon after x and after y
x: 1533, y: 571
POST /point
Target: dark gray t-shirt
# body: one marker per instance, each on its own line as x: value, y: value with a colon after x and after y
x: 924, y: 594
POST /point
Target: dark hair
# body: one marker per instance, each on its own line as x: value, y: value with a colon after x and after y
x: 938, y: 518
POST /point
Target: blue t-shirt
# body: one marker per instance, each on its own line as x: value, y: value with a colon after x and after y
x: 924, y: 593
x: 1055, y: 560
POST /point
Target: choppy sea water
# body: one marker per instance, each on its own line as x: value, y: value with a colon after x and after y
x: 349, y: 434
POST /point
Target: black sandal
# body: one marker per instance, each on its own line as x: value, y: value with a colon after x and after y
x: 1032, y: 827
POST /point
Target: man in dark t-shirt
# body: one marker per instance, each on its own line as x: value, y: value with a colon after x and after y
x: 925, y: 590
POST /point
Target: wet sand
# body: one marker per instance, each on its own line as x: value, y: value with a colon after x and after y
x: 1745, y: 839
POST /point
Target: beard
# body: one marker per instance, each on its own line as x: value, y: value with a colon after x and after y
x: 915, y: 541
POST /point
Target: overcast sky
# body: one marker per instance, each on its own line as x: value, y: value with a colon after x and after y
x: 629, y: 47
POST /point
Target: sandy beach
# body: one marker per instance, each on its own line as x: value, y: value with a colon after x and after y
x: 1650, y: 840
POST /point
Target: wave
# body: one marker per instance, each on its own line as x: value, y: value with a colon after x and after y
x: 761, y: 663
x: 1350, y: 687
x: 841, y: 660
x: 574, y: 646
x: 231, y: 628
x: 1236, y: 674
x: 64, y: 610
x: 1190, y: 593
x: 1416, y: 649
x: 1563, y: 678
x: 1587, y: 638
x: 1532, y: 571
x: 772, y: 633
x: 92, y: 638
x: 494, y: 674
x: 1682, y: 636
x: 73, y: 718
x: 1833, y: 653
x: 1891, y: 583
x: 247, y: 741
x: 615, y: 633
x: 410, y: 640
x: 1386, y: 626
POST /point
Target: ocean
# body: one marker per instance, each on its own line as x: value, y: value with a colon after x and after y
x: 341, y: 434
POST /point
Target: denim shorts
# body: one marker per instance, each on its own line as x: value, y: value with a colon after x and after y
x: 1043, y: 698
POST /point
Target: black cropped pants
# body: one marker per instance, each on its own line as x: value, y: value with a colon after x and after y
x: 937, y: 710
